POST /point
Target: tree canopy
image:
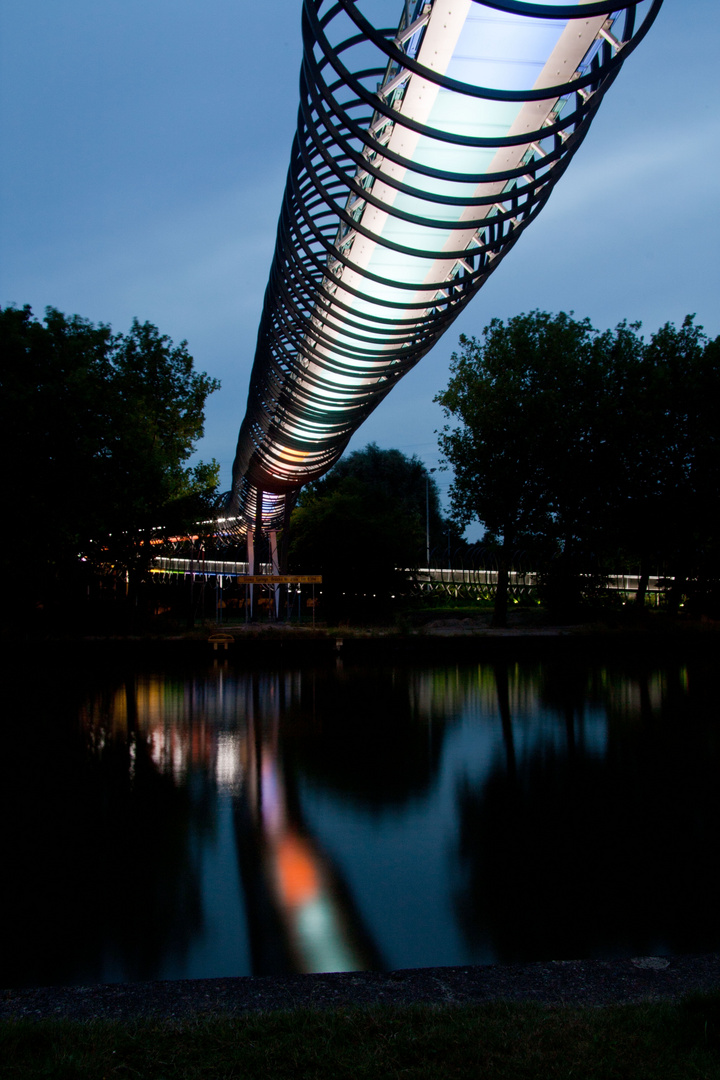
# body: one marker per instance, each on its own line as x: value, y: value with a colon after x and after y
x: 595, y: 447
x: 97, y: 428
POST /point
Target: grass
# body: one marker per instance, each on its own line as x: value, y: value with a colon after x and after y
x: 508, y: 1041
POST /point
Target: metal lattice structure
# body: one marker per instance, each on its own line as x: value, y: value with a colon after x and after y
x: 422, y: 153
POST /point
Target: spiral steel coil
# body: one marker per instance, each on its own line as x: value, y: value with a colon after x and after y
x: 422, y: 152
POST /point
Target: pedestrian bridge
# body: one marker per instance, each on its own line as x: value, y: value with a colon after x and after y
x: 423, y: 150
x: 472, y: 583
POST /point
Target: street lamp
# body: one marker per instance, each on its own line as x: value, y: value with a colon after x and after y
x: 427, y: 516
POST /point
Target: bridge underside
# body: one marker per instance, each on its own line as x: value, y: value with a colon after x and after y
x: 422, y: 152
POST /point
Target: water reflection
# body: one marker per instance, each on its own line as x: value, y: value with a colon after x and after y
x: 224, y: 821
x: 84, y: 808
x: 585, y: 853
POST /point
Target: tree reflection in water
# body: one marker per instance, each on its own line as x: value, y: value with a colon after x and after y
x: 374, y: 736
x: 575, y: 853
x: 100, y: 839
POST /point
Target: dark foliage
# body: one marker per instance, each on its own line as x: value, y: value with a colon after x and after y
x: 96, y: 431
x: 598, y: 450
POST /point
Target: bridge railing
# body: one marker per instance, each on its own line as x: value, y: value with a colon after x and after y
x: 481, y: 583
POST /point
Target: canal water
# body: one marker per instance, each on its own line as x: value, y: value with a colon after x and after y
x: 217, y: 821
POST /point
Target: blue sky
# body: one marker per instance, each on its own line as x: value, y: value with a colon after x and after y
x: 145, y: 146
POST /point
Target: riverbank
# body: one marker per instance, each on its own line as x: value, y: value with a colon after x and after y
x: 427, y: 637
x: 594, y: 1020
x: 578, y: 983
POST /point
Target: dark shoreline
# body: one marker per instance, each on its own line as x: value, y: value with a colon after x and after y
x: 439, y: 640
x: 590, y: 983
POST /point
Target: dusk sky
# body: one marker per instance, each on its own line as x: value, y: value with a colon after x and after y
x: 145, y: 146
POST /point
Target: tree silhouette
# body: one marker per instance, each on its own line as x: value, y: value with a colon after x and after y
x: 96, y: 432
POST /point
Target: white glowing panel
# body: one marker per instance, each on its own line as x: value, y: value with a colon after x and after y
x: 484, y: 48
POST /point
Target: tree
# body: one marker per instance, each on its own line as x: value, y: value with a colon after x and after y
x: 363, y: 523
x: 96, y: 432
x: 600, y: 447
x: 672, y: 452
x: 523, y: 455
x: 158, y: 403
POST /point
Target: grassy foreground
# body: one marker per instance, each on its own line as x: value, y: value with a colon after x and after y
x: 511, y: 1041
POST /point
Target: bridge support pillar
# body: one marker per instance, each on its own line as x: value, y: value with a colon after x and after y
x: 275, y: 567
x: 254, y: 545
x: 285, y: 543
x: 251, y: 570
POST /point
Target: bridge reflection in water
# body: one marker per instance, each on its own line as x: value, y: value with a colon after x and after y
x: 300, y: 914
